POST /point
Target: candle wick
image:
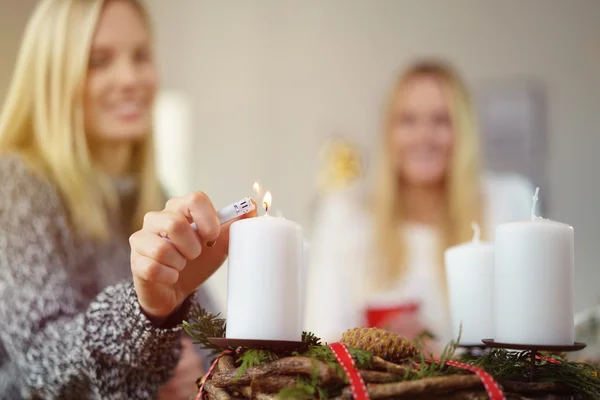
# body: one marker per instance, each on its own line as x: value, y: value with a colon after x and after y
x: 535, y: 200
x: 476, y: 232
x: 266, y: 205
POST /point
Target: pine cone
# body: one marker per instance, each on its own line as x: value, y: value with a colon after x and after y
x: 380, y: 342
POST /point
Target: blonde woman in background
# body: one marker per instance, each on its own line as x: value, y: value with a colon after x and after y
x: 384, y: 250
x: 78, y: 184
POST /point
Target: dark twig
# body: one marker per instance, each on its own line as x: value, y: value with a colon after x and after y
x: 410, y: 389
x: 284, y: 366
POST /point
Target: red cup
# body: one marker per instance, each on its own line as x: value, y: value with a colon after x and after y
x: 382, y: 316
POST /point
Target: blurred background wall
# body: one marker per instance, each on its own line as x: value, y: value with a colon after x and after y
x: 268, y: 81
x: 13, y: 17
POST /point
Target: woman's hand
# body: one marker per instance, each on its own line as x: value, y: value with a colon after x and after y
x: 182, y: 384
x: 165, y: 272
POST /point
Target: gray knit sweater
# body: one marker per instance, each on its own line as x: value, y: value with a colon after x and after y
x: 70, y: 323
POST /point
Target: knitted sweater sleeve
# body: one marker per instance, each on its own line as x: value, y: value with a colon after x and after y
x: 64, y: 347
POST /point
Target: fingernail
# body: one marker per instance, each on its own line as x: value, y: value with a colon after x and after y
x: 211, y: 243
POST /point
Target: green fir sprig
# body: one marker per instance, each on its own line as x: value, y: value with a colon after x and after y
x: 305, y: 388
x: 310, y: 339
x: 251, y: 358
x: 204, y: 325
x: 502, y: 364
x: 516, y: 366
x: 432, y: 368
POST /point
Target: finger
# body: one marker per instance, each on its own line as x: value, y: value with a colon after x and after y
x: 156, y: 248
x: 198, y: 208
x: 252, y: 213
x: 222, y: 245
x: 176, y: 228
x: 150, y: 270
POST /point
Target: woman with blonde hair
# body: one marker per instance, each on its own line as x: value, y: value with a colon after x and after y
x: 78, y: 184
x: 429, y: 190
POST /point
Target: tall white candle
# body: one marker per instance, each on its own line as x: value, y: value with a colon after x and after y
x: 264, y: 280
x: 534, y: 274
x: 470, y: 277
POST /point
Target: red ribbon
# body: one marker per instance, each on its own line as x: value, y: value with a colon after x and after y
x: 357, y: 384
x: 489, y: 383
x: 359, y: 389
x: 209, y: 373
x: 547, y: 359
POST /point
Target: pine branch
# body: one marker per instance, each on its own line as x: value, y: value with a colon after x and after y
x: 303, y: 389
x: 505, y: 365
x: 433, y: 369
x: 363, y: 359
x: 320, y: 375
x: 310, y: 388
x: 252, y: 358
x: 311, y: 339
x: 204, y: 325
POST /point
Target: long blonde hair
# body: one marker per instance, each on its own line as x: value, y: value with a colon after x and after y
x: 43, y: 121
x: 462, y: 184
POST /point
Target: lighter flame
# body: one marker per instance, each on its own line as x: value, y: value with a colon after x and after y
x: 256, y: 188
x: 267, y: 201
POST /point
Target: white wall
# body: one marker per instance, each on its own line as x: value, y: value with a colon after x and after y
x: 270, y: 80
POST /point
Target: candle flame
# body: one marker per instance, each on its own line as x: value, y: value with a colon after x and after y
x: 256, y: 188
x: 267, y: 200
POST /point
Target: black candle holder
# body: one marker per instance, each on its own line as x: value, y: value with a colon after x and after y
x: 472, y: 346
x: 273, y: 345
x: 534, y: 349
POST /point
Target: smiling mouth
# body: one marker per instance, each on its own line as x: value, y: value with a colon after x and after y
x: 129, y: 110
x: 424, y: 154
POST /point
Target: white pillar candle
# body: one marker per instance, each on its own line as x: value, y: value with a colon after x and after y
x: 264, y: 280
x: 470, y: 277
x: 534, y: 274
